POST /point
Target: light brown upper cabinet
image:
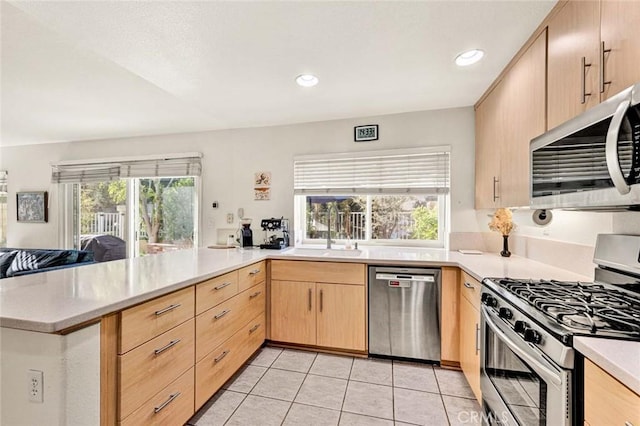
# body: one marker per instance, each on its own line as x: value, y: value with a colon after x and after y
x: 593, y: 54
x: 574, y: 61
x: 620, y: 39
x: 506, y: 121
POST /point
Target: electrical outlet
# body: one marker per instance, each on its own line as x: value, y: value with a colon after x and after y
x: 229, y: 218
x: 35, y: 385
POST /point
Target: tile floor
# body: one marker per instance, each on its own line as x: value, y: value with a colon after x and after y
x: 290, y: 387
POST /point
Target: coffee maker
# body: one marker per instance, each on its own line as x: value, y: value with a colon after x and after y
x: 245, y: 237
x: 279, y: 233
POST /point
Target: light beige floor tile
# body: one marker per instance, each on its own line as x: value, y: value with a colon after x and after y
x: 350, y: 419
x: 332, y: 366
x: 453, y: 383
x: 265, y: 357
x: 372, y: 371
x: 462, y: 411
x: 293, y: 360
x: 218, y: 409
x: 369, y: 399
x: 245, y: 379
x: 414, y: 376
x: 327, y: 392
x: 312, y: 416
x: 279, y: 384
x: 420, y: 408
x: 256, y: 410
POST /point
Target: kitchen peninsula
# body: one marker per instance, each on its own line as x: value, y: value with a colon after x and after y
x: 57, y: 322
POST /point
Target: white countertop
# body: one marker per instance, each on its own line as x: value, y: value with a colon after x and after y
x: 53, y: 301
x: 619, y: 358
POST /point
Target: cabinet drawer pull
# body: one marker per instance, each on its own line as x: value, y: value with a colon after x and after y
x: 167, y: 309
x: 254, y: 272
x: 256, y: 294
x: 167, y: 402
x: 254, y: 328
x: 583, y: 81
x: 223, y: 285
x: 221, y: 314
x: 467, y: 285
x: 165, y: 347
x: 221, y: 356
x: 603, y: 80
x: 628, y: 423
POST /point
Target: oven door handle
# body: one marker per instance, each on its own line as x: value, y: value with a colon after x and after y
x: 545, y: 372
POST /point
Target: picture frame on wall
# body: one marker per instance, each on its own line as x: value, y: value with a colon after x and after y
x: 32, y: 207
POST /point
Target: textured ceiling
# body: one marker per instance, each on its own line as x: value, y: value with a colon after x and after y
x: 85, y: 70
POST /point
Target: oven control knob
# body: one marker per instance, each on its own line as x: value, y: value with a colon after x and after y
x: 489, y: 300
x: 530, y: 335
x: 505, y: 313
x: 520, y: 326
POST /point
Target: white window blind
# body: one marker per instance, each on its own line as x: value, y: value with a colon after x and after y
x: 3, y: 182
x: 104, y: 170
x: 424, y: 171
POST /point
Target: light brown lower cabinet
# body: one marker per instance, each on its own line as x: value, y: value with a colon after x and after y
x: 470, y: 332
x: 606, y: 400
x: 319, y: 304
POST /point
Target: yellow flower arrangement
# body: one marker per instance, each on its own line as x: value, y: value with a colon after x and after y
x: 502, y: 222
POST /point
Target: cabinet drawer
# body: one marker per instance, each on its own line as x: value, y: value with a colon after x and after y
x: 325, y: 272
x: 252, y: 275
x: 217, y: 324
x: 144, y: 322
x: 217, y: 367
x: 153, y: 365
x: 606, y: 400
x: 470, y: 289
x: 215, y: 291
x: 173, y: 405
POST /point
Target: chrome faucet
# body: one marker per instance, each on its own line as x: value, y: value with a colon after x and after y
x: 329, y: 240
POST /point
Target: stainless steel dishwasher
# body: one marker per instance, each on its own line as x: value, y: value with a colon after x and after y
x: 404, y: 312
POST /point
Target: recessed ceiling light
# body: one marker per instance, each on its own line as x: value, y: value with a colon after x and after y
x: 307, y: 80
x: 469, y: 57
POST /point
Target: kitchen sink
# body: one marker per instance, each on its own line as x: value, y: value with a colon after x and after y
x: 323, y: 252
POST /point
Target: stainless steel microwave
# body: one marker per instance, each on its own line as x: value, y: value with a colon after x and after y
x: 591, y: 162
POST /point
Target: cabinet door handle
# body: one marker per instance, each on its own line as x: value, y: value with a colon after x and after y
x: 256, y: 294
x: 467, y: 285
x: 167, y: 309
x: 603, y: 80
x: 167, y: 346
x: 254, y: 272
x: 495, y: 192
x: 167, y: 402
x: 628, y: 423
x: 221, y: 286
x: 477, y: 338
x: 254, y: 328
x: 321, y: 300
x: 221, y: 314
x: 583, y: 81
x: 221, y: 356
x: 310, y: 295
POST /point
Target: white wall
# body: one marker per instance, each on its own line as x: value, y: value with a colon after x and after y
x: 232, y: 156
x: 71, y: 379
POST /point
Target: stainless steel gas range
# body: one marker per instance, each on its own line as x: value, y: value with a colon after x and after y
x: 530, y: 372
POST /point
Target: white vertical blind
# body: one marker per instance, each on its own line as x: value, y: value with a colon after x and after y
x: 424, y: 171
x: 105, y: 170
x: 3, y: 181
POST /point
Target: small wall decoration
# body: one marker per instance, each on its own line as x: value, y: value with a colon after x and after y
x: 262, y: 186
x: 365, y: 133
x: 32, y: 206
